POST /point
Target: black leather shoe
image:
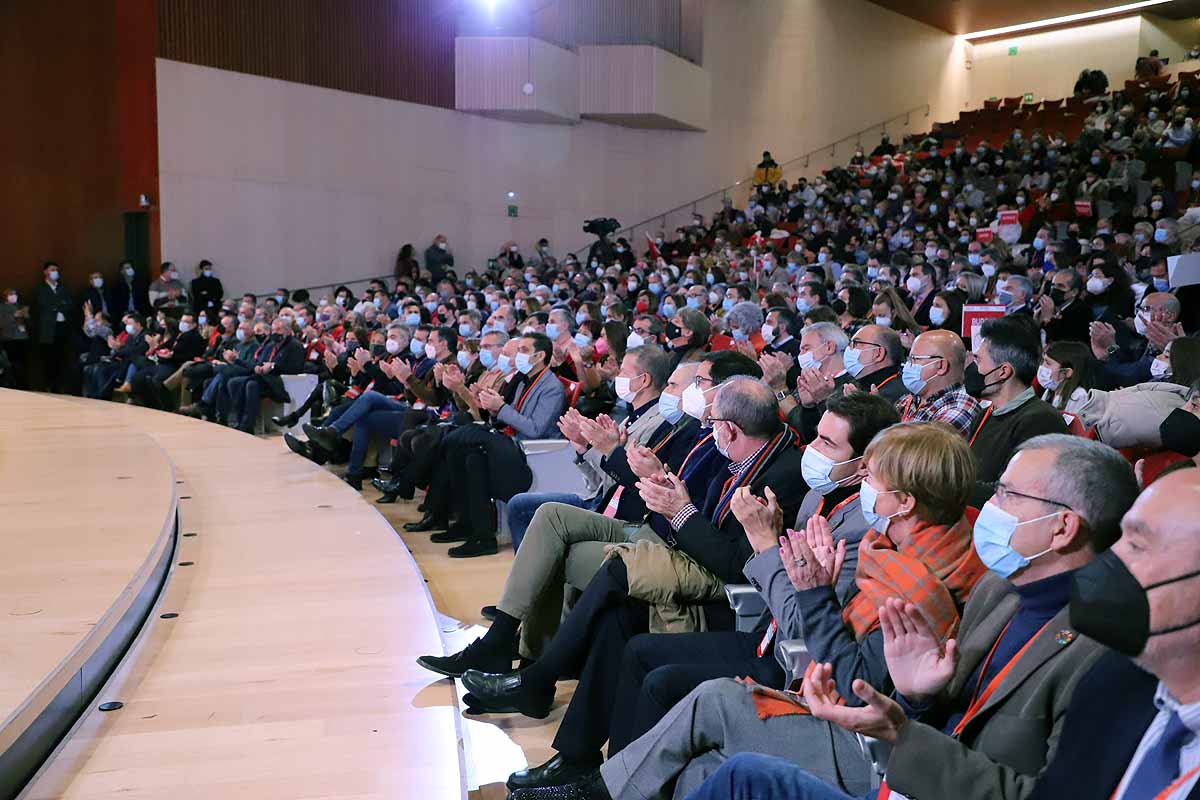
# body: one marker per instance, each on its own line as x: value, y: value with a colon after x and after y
x: 477, y: 655
x: 448, y: 537
x: 426, y: 523
x: 326, y: 438
x: 353, y: 481
x: 297, y: 446
x: 590, y: 787
x: 475, y: 547
x: 505, y: 692
x: 488, y: 612
x: 285, y: 421
x: 558, y: 771
x: 386, y: 499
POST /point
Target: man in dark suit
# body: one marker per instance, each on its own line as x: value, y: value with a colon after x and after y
x: 129, y: 293
x: 98, y: 296
x: 54, y: 331
x: 282, y: 355
x: 1132, y: 724
x: 706, y: 535
x: 1061, y: 312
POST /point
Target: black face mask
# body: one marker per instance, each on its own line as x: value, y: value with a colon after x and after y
x: 1180, y: 432
x: 1109, y: 605
x: 378, y: 350
x: 260, y: 337
x: 1058, y: 296
x: 974, y: 383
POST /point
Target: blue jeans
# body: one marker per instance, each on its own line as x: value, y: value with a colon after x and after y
x: 523, y: 506
x: 363, y: 405
x: 749, y: 776
x: 378, y: 424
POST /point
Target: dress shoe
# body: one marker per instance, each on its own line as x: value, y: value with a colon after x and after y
x: 558, y: 771
x: 506, y: 692
x: 448, y: 537
x: 286, y: 421
x: 425, y: 524
x: 297, y: 446
x: 396, y: 487
x: 385, y: 499
x: 590, y: 787
x: 194, y: 410
x: 326, y: 438
x: 488, y: 612
x: 477, y: 655
x: 354, y: 481
x: 475, y: 547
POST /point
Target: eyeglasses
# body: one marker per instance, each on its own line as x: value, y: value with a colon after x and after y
x: 1003, y: 493
x: 862, y: 343
x: 924, y: 358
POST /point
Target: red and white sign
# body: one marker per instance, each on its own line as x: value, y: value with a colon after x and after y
x: 984, y: 234
x: 1009, y: 218
x: 1083, y: 208
x: 975, y: 315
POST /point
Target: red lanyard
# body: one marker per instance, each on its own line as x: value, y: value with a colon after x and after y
x: 834, y: 510
x: 979, y: 698
x: 521, y: 400
x: 987, y: 412
x: 688, y: 457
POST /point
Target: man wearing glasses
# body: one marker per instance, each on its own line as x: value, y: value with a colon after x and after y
x: 933, y: 375
x: 873, y: 358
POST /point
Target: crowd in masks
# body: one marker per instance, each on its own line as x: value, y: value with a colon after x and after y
x: 977, y: 525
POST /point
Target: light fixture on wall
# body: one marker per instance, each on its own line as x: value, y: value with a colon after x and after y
x: 1065, y: 20
x: 144, y: 200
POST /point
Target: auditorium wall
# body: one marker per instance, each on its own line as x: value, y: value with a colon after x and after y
x: 286, y: 184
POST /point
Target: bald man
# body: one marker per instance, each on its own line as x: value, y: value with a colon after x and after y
x: 1132, y: 726
x: 933, y: 375
x: 873, y: 358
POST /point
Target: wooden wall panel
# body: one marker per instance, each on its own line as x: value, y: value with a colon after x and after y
x: 398, y: 49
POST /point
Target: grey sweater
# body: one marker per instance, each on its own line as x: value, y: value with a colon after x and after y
x: 538, y: 417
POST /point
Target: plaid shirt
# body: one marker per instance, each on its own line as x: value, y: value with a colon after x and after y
x: 684, y: 514
x: 951, y: 405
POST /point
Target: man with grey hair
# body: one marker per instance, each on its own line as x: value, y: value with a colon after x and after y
x: 705, y: 547
x: 1044, y: 524
x: 1020, y: 293
x: 1125, y: 356
x: 822, y: 373
x: 743, y: 321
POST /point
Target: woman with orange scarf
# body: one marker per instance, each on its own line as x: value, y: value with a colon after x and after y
x: 917, y: 479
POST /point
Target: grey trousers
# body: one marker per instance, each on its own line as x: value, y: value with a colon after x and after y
x: 717, y: 721
x: 563, y: 546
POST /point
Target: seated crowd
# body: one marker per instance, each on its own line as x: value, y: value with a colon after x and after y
x: 939, y: 417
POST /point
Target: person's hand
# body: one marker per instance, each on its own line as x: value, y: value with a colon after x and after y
x: 1045, y: 310
x: 666, y: 495
x: 268, y: 367
x: 881, y: 718
x: 453, y: 378
x: 680, y: 342
x: 87, y: 308
x: 491, y: 400
x: 331, y: 359
x: 113, y: 343
x: 906, y: 339
x: 608, y: 368
x: 762, y: 519
x: 602, y: 433
x: 1103, y: 336
x: 920, y: 665
x: 152, y: 340
x: 401, y: 371
x: 775, y: 368
x: 569, y: 424
x: 804, y: 569
x: 814, y: 387
x: 819, y: 537
x: 1160, y: 333
x: 229, y: 355
x: 745, y: 348
x: 643, y: 463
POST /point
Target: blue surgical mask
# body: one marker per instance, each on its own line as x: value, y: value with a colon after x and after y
x: 487, y: 358
x: 552, y: 330
x: 911, y: 377
x: 669, y: 407
x: 412, y: 320
x: 816, y: 467
x: 1160, y: 234
x: 524, y: 363
x: 416, y: 347
x: 582, y: 339
x: 850, y: 360
x: 993, y: 532
x: 668, y: 310
x: 727, y: 304
x: 1161, y: 284
x: 505, y: 363
x: 580, y: 317
x: 739, y: 335
x: 464, y: 330
x: 693, y: 302
x: 867, y: 495
x: 464, y: 359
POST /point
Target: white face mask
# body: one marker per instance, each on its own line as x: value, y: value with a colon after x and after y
x: 768, y: 333
x: 867, y: 497
x: 936, y: 315
x: 913, y: 284
x: 816, y: 467
x: 1160, y: 368
x: 1045, y: 377
x: 807, y: 360
x: 624, y: 391
x: 1096, y: 285
x: 392, y: 346
x: 693, y: 402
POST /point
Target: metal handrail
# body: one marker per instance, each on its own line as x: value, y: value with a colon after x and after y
x: 724, y: 191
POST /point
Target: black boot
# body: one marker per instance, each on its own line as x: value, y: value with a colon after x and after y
x: 558, y: 771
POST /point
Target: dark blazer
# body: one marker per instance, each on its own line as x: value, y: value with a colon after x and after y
x: 724, y: 550
x: 50, y: 303
x: 133, y: 350
x: 101, y: 300
x: 206, y: 293
x: 1071, y: 324
x: 1004, y: 747
x: 288, y: 357
x: 886, y: 382
x: 120, y: 297
x: 1109, y: 713
x: 186, y: 347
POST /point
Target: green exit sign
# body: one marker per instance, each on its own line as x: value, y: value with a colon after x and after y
x: 1029, y: 97
x: 512, y: 211
x: 1012, y: 51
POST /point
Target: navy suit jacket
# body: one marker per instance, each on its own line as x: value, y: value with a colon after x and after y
x: 1111, y: 709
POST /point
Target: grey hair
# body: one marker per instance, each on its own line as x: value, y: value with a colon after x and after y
x: 892, y: 345
x: 654, y: 361
x: 976, y: 285
x: 1022, y: 281
x: 828, y: 332
x: 748, y: 403
x: 747, y: 315
x: 1096, y: 481
x: 501, y: 337
x: 564, y: 316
